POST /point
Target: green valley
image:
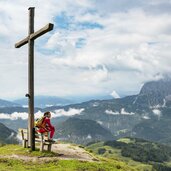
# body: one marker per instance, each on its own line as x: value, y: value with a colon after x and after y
x: 142, y: 154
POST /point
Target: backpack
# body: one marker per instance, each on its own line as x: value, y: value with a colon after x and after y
x: 39, y: 122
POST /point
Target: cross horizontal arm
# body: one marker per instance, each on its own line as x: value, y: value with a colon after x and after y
x: 35, y: 35
x: 22, y: 42
x: 42, y: 31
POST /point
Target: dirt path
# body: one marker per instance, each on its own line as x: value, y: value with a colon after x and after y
x: 70, y: 151
x: 63, y: 151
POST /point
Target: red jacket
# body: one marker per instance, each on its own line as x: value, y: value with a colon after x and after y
x: 48, y: 124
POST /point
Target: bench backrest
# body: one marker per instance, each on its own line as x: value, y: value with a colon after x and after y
x: 38, y: 136
x: 23, y: 133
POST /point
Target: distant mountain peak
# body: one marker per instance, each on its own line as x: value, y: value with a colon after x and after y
x: 155, y: 92
x: 45, y: 101
x: 5, y: 103
x: 156, y: 86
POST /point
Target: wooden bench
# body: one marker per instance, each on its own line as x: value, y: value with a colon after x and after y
x: 39, y: 137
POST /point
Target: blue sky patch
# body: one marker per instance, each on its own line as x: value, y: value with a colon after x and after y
x: 63, y: 21
x: 80, y: 43
x: 90, y: 25
x: 152, y: 43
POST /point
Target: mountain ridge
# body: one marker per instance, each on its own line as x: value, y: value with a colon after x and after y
x: 6, y: 103
x: 82, y: 131
x: 45, y: 101
x: 127, y: 116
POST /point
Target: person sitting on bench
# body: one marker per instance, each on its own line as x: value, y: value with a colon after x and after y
x: 47, y: 126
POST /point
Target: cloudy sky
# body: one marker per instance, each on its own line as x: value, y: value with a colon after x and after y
x: 97, y: 47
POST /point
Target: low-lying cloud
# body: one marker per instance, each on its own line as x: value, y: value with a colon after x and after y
x: 122, y: 112
x: 14, y: 116
x: 157, y: 112
x: 56, y: 113
x: 70, y: 112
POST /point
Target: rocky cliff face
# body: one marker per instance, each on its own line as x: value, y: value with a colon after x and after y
x: 155, y: 93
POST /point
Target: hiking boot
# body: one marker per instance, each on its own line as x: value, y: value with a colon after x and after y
x: 53, y: 141
x: 50, y: 140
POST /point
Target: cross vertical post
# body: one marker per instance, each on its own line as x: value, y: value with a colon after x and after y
x: 30, y: 40
x: 31, y: 80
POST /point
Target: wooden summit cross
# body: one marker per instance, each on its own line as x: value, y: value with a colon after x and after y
x: 30, y: 40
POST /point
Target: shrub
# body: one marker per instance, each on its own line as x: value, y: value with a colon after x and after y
x: 101, y: 150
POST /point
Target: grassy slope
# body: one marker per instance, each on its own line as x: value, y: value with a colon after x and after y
x: 115, y: 154
x: 60, y: 165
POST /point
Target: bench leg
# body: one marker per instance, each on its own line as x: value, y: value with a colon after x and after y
x: 42, y: 143
x: 41, y: 146
x: 25, y: 143
x: 49, y: 147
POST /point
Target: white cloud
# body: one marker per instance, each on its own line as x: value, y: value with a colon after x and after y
x: 89, y: 136
x: 110, y: 112
x: 19, y: 115
x: 122, y: 112
x: 56, y: 113
x: 134, y: 53
x: 156, y: 2
x: 95, y: 104
x: 146, y: 117
x: 14, y: 116
x: 100, y: 122
x: 157, y: 112
x: 132, y: 47
x: 70, y: 112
